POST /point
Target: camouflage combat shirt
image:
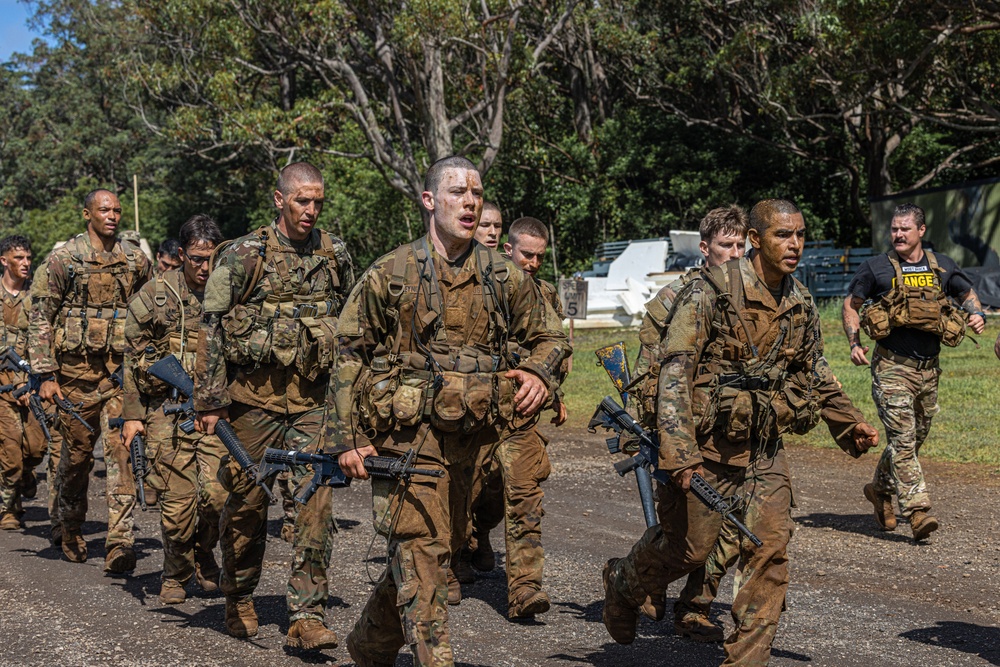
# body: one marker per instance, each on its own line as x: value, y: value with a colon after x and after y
x: 270, y: 385
x: 688, y: 429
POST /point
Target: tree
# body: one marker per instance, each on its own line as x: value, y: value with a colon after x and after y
x: 841, y: 82
x: 398, y: 84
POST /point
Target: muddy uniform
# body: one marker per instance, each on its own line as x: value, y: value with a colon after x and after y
x: 905, y: 370
x: 422, y: 366
x: 264, y: 351
x: 508, y: 488
x: 183, y: 467
x: 702, y: 584
x: 22, y: 443
x: 724, y: 402
x: 77, y: 332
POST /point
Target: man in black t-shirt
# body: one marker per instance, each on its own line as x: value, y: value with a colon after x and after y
x: 905, y: 365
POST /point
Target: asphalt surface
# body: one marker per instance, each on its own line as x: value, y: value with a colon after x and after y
x: 857, y: 597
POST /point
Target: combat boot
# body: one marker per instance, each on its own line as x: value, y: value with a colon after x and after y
x: 55, y: 535
x: 311, y: 634
x: 74, y: 547
x: 527, y: 603
x: 698, y: 628
x: 619, y: 617
x: 654, y: 607
x: 172, y: 592
x: 359, y: 658
x: 9, y: 521
x: 120, y: 559
x: 207, y: 578
x: 922, y: 524
x: 241, y: 617
x: 483, y: 558
x: 29, y: 485
x: 454, y: 589
x: 288, y: 532
x: 882, y: 504
x: 463, y: 571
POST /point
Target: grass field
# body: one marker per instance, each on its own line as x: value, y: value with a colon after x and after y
x: 966, y: 430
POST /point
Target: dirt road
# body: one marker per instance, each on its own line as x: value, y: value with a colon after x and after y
x: 858, y: 597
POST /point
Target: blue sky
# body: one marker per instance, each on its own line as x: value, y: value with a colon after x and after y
x: 14, y: 32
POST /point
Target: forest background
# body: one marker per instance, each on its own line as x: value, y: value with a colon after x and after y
x: 607, y: 120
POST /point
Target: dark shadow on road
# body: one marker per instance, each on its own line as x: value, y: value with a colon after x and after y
x: 650, y: 652
x: 979, y: 640
x: 861, y: 524
x: 211, y: 618
x: 140, y: 587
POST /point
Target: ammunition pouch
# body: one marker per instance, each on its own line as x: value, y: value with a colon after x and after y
x: 96, y: 330
x: 377, y: 392
x: 875, y: 321
x: 462, y: 402
x: 457, y: 402
x: 302, y: 335
x: 953, y: 324
x: 794, y: 411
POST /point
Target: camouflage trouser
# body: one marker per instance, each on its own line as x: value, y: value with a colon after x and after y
x: 907, y: 401
x: 285, y: 493
x: 510, y: 489
x: 429, y: 519
x: 689, y: 531
x: 184, y: 471
x: 244, y: 515
x: 52, y: 475
x: 77, y: 460
x: 702, y: 585
x: 22, y: 447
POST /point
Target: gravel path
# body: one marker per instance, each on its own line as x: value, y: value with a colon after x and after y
x: 858, y: 597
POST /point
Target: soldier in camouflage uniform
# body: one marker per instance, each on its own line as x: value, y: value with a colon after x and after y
x: 424, y: 365
x: 22, y: 443
x: 163, y: 318
x: 265, y: 348
x: 905, y: 367
x: 735, y: 335
x: 723, y: 237
x: 76, y: 337
x: 508, y: 483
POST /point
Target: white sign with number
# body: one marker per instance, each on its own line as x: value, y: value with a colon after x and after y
x: 573, y: 294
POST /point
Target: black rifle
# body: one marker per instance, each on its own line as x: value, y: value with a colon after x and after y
x: 611, y: 416
x: 140, y: 467
x: 614, y: 360
x: 328, y: 472
x: 169, y: 370
x: 13, y: 361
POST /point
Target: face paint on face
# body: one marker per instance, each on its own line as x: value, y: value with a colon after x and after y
x: 17, y: 264
x: 300, y: 209
x: 457, y: 205
x: 780, y: 247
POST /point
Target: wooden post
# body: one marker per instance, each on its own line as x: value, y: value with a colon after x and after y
x: 135, y: 196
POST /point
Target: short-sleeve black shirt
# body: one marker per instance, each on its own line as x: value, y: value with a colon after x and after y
x: 876, y: 277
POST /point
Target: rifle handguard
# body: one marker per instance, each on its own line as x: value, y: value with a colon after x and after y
x: 714, y: 500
